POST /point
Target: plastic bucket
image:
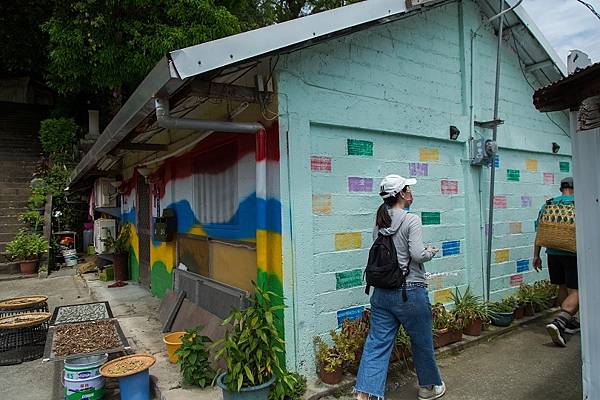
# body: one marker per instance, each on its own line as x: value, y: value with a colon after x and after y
x: 136, y: 386
x: 501, y: 319
x: 173, y: 343
x: 70, y: 257
x: 84, y: 389
x: 84, y: 367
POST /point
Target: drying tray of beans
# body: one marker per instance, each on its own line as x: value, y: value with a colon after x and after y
x: 24, y: 304
x: 127, y: 365
x: 74, y: 313
x: 22, y: 337
x: 84, y: 339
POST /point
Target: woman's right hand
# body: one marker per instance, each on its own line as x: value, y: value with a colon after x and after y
x: 432, y: 249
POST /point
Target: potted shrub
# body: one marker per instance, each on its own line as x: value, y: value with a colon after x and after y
x: 546, y: 293
x: 355, y: 334
x: 43, y: 271
x: 501, y: 313
x: 402, y: 350
x: 33, y: 219
x: 120, y: 249
x: 518, y: 308
x: 330, y: 363
x: 446, y: 329
x: 26, y: 247
x: 469, y: 309
x: 193, y: 358
x: 251, y: 350
x: 530, y: 299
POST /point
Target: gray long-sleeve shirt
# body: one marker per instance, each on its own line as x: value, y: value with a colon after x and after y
x: 407, y: 234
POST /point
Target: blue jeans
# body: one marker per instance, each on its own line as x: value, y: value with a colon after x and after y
x: 388, y: 311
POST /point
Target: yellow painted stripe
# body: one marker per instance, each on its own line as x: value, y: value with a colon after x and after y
x: 268, y: 252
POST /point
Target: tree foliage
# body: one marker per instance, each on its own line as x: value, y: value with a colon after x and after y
x: 98, y: 45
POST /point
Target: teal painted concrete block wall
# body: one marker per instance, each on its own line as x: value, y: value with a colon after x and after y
x: 381, y: 101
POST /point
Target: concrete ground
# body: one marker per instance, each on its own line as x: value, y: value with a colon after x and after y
x: 35, y: 380
x: 523, y: 364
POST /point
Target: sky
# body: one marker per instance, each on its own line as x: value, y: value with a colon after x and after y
x: 568, y: 25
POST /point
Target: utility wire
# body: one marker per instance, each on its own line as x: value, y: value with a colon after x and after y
x: 521, y: 62
x: 589, y: 6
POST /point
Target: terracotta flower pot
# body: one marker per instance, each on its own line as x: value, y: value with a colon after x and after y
x: 446, y: 337
x: 331, y: 378
x: 28, y: 267
x: 529, y: 310
x: 519, y: 312
x: 474, y: 328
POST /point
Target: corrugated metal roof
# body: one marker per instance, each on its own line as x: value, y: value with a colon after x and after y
x: 171, y: 73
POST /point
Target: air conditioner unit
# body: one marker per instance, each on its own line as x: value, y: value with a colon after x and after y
x: 105, y: 194
x: 102, y: 227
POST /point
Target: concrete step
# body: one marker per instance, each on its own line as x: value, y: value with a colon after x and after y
x: 8, y: 220
x: 12, y: 207
x: 6, y: 237
x: 18, y: 200
x: 11, y: 228
x: 2, y: 246
x: 21, y: 191
x: 9, y: 268
x: 19, y: 156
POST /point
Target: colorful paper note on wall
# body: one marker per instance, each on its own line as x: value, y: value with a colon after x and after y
x: 442, y: 296
x: 429, y: 154
x: 516, y: 227
x: 516, y: 280
x: 531, y: 165
x: 418, y: 169
x: 522, y: 265
x: 357, y: 184
x: 320, y: 164
x: 449, y: 187
x: 451, y: 248
x: 359, y: 147
x: 430, y: 218
x: 502, y: 255
x: 513, y: 175
x: 526, y: 201
x: 348, y: 240
x: 500, y: 202
x: 321, y: 204
x: 351, y: 313
x: 348, y: 279
x: 564, y: 166
x: 548, y: 178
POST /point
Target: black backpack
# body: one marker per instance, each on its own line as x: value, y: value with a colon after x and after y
x: 383, y: 270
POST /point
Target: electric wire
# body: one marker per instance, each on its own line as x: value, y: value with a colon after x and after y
x: 590, y: 7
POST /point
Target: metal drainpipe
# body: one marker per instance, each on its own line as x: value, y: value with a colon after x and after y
x: 164, y: 120
x: 493, y: 166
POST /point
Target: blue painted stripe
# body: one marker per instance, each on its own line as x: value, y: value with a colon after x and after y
x: 128, y: 217
x: 451, y: 248
x: 351, y: 313
x: 522, y: 265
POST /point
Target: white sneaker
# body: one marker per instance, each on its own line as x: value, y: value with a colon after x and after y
x: 432, y: 392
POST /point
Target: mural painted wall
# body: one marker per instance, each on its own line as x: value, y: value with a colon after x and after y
x: 381, y: 101
x: 213, y: 191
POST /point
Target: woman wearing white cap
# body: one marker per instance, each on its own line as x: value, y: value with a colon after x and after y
x: 389, y: 309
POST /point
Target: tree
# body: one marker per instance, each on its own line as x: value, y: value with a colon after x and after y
x: 106, y: 45
x: 23, y: 49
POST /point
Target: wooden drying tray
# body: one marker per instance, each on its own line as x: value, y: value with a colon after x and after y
x: 127, y: 365
x: 49, y: 354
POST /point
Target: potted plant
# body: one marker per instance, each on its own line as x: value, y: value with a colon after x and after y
x: 26, y: 247
x: 501, y: 313
x: 530, y: 299
x: 193, y: 358
x: 402, y: 350
x: 546, y: 293
x: 251, y: 349
x: 43, y: 271
x: 33, y: 219
x: 330, y: 363
x: 518, y: 308
x: 119, y: 246
x: 471, y: 311
x: 446, y: 329
x: 355, y: 333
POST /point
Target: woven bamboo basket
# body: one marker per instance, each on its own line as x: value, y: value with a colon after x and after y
x: 556, y: 228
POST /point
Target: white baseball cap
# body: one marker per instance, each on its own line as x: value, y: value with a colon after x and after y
x: 391, y: 185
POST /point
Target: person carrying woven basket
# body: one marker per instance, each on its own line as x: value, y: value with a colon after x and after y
x: 562, y: 268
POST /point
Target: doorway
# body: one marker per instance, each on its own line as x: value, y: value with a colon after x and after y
x: 143, y: 194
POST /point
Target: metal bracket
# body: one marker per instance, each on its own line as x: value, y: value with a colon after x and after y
x: 489, y: 124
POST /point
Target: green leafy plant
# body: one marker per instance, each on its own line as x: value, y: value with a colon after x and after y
x: 500, y: 307
x: 32, y: 218
x: 56, y: 179
x: 251, y: 348
x: 469, y: 307
x: 26, y: 245
x: 194, y: 358
x: 327, y: 357
x: 287, y: 386
x: 120, y: 244
x: 355, y: 333
x: 37, y: 198
x: 528, y: 295
x: 443, y: 319
x: 57, y: 137
x: 546, y: 290
x: 298, y: 389
x: 402, y: 347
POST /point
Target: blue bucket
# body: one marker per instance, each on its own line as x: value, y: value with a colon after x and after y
x: 136, y: 386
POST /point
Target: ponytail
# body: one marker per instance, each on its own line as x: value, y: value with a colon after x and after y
x: 383, y: 219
